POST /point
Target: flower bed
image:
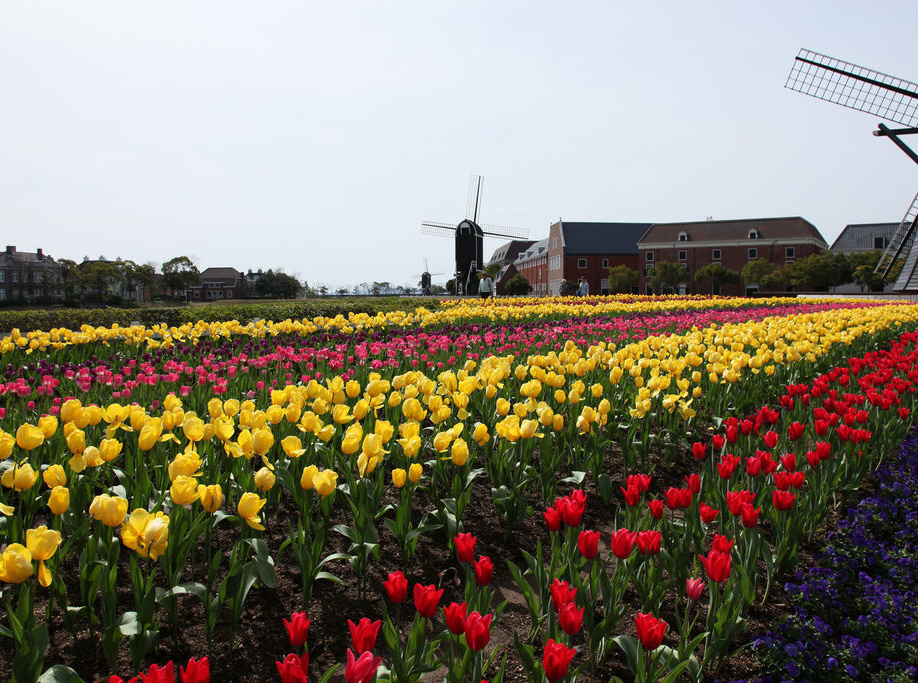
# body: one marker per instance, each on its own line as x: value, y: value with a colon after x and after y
x: 163, y: 508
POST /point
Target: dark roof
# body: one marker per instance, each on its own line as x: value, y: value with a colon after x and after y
x: 508, y: 251
x: 10, y: 256
x: 220, y: 274
x: 859, y: 236
x: 602, y: 238
x: 789, y: 228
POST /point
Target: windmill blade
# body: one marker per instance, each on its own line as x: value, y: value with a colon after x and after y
x: 473, y: 203
x: 504, y: 231
x: 902, y: 242
x: 439, y: 229
x: 855, y: 87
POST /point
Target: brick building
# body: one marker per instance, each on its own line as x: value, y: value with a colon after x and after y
x: 505, y: 256
x: 732, y: 244
x: 588, y: 250
x: 532, y: 264
x: 216, y: 284
x: 25, y: 276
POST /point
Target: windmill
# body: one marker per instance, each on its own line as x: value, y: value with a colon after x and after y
x: 469, y: 236
x: 425, y: 278
x: 887, y: 97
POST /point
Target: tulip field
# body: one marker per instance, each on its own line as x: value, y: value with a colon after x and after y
x: 592, y: 489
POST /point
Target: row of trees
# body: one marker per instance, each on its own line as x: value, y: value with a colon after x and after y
x: 817, y: 273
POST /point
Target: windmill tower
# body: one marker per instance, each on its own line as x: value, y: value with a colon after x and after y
x: 887, y: 97
x: 469, y: 238
x: 426, y: 278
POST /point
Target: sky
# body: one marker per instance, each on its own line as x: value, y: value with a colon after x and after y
x: 315, y: 137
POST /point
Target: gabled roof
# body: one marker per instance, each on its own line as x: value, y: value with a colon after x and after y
x: 508, y: 251
x: 784, y: 229
x: 11, y: 257
x: 860, y: 236
x: 602, y: 238
x: 533, y: 250
x: 225, y: 274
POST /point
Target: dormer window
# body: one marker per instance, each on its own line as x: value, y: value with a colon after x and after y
x: 754, y: 234
x: 683, y: 237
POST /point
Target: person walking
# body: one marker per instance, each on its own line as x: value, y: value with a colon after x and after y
x: 584, y: 288
x: 485, y: 286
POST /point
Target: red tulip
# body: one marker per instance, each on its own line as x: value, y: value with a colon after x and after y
x: 717, y: 565
x: 570, y: 618
x: 294, y: 669
x: 694, y: 483
x: 749, y: 515
x: 789, y: 460
x: 588, y: 542
x: 708, y: 514
x: 363, y: 634
x: 694, y: 588
x: 699, y: 450
x: 426, y: 599
x: 557, y: 660
x: 727, y: 465
x: 648, y: 542
x: 795, y: 431
x: 656, y: 508
x: 798, y: 479
x: 717, y: 441
x: 678, y: 498
x: 771, y: 439
x: 484, y: 569
x: 361, y: 670
x: 561, y: 593
x: 753, y: 466
x: 297, y: 628
x: 455, y: 617
x: 722, y: 544
x: 552, y: 519
x: 465, y: 547
x: 632, y: 495
x: 396, y: 587
x: 650, y: 630
x: 478, y: 631
x: 572, y: 507
x: 622, y: 543
x: 732, y: 434
x: 198, y: 671
x: 641, y: 481
x: 783, y: 500
x: 736, y: 500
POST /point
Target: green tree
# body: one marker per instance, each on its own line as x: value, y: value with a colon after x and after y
x: 622, y: 279
x: 179, y: 274
x: 862, y: 265
x: 666, y: 276
x: 820, y: 271
x: 718, y: 276
x: 518, y: 285
x: 277, y: 285
x: 763, y: 273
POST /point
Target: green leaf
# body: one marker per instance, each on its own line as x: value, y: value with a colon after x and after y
x: 630, y: 647
x: 576, y: 478
x: 60, y: 674
x: 129, y: 625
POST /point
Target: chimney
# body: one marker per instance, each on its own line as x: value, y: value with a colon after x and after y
x: 10, y: 249
x: 39, y: 254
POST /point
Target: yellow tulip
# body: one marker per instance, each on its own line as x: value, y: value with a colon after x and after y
x: 215, y: 408
x: 352, y: 437
x: 149, y: 434
x: 110, y: 510
x: 184, y: 490
x: 54, y: 476
x: 231, y: 407
x: 398, y: 477
x: 384, y: 430
x: 42, y: 543
x: 146, y: 533
x: 193, y: 428
x: 15, y: 564
x: 325, y: 482
x: 341, y: 414
x: 307, y: 479
x: 29, y: 437
x: 71, y: 410
x: 59, y: 500
x: 326, y: 433
x: 292, y: 446
x: 110, y: 449
x: 503, y: 406
x: 6, y: 444
x: 459, y: 452
x: 19, y: 478
x: 274, y: 414
x: 262, y: 440
x: 529, y: 429
x: 361, y: 408
x: 265, y: 479
x: 292, y: 413
x: 211, y: 497
x: 442, y: 441
x: 187, y: 464
x: 414, y: 472
x: 48, y: 425
x: 480, y: 435
x: 250, y: 504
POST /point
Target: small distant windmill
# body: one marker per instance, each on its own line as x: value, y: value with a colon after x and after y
x: 425, y: 278
x: 469, y: 236
x: 879, y: 94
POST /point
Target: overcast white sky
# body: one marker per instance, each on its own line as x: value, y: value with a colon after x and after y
x: 315, y: 137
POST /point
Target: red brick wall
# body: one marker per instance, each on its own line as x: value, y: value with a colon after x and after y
x: 594, y: 271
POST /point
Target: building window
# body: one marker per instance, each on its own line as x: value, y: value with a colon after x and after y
x: 789, y: 252
x: 2, y: 295
x: 682, y: 255
x: 605, y: 263
x: 754, y: 234
x: 753, y: 254
x: 581, y: 263
x: 788, y: 262
x: 715, y: 254
x: 2, y: 276
x: 648, y: 270
x: 880, y: 242
x: 15, y: 276
x: 649, y: 256
x: 683, y: 237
